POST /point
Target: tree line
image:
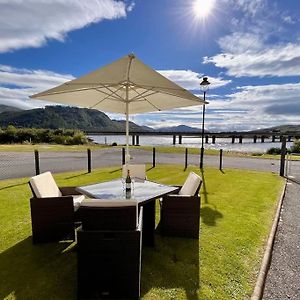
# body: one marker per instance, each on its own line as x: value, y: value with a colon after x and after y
x: 13, y: 135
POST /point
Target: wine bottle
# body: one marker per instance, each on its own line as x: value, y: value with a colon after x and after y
x: 128, y: 185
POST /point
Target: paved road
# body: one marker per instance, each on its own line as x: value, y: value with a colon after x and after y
x: 21, y: 164
x: 283, y: 279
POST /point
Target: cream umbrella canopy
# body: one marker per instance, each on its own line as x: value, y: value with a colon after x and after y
x: 125, y: 86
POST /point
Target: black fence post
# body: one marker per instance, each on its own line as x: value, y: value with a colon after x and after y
x: 123, y: 156
x: 221, y: 159
x: 282, y: 157
x: 186, y: 159
x: 153, y: 158
x: 37, y: 162
x: 89, y: 156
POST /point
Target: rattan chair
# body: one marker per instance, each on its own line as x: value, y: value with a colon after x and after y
x: 53, y: 209
x: 136, y: 171
x: 180, y: 213
x: 109, y: 250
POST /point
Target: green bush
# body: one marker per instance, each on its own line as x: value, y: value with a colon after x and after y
x: 33, y: 135
x: 296, y: 147
x: 274, y: 151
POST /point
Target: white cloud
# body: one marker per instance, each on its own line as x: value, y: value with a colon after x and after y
x: 190, y: 80
x: 31, y: 23
x: 16, y: 85
x: 277, y: 60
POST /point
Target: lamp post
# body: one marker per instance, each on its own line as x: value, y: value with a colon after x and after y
x: 204, y: 87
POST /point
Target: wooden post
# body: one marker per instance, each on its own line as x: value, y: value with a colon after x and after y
x: 282, y: 158
x: 221, y: 159
x: 89, y: 156
x: 186, y: 158
x: 37, y: 162
x: 153, y: 158
x: 123, y: 156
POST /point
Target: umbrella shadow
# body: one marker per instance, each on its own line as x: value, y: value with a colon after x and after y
x: 45, y: 271
x: 209, y: 216
x: 172, y: 264
x: 14, y: 185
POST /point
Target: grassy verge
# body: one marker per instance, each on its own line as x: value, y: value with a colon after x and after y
x: 236, y: 214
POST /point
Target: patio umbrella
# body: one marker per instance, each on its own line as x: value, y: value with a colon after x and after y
x: 125, y: 86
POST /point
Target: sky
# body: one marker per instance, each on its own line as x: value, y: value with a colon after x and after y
x: 248, y: 49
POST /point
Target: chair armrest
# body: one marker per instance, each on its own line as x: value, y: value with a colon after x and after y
x: 53, y: 201
x: 69, y: 190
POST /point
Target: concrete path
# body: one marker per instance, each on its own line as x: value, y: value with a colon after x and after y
x: 283, y: 279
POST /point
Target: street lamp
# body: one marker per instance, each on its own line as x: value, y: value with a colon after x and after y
x: 204, y: 85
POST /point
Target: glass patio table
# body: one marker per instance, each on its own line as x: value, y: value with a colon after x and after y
x: 145, y: 192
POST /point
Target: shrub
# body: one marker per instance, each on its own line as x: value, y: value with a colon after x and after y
x: 274, y: 150
x: 296, y: 147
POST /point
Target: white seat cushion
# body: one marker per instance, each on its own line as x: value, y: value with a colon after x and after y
x: 191, y: 185
x: 44, y: 185
x: 77, y: 200
x: 136, y: 171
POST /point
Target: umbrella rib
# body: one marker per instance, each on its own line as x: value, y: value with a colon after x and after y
x: 114, y: 94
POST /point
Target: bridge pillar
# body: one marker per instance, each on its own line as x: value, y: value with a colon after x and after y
x: 213, y: 139
x: 206, y: 139
x: 240, y: 139
x: 180, y: 139
x: 254, y: 139
x: 232, y: 140
x: 174, y: 139
x: 262, y: 139
x: 289, y: 138
x: 133, y: 140
x: 280, y: 138
x: 273, y: 138
x: 137, y: 140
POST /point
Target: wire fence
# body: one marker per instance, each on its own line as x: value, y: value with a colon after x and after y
x: 292, y: 170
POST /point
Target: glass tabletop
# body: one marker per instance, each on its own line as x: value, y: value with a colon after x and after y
x: 141, y: 190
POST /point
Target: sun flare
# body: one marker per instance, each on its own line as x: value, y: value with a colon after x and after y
x: 202, y: 8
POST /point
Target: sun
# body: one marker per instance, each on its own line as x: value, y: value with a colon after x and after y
x: 202, y: 8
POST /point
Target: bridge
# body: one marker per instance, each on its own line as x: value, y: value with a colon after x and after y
x: 235, y: 136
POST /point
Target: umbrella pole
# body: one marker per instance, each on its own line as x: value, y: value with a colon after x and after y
x: 127, y: 158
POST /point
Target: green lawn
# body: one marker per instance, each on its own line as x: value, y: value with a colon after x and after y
x: 236, y: 214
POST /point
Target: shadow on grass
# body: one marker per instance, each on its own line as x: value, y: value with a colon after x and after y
x: 42, y: 271
x: 12, y: 186
x: 209, y: 216
x: 203, y: 188
x: 173, y: 264
x: 76, y: 176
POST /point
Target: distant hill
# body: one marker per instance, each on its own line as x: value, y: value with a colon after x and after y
x: 5, y: 108
x: 54, y: 117
x: 283, y: 129
x: 179, y: 128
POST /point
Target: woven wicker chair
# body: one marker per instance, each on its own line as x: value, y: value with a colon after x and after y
x: 180, y: 213
x: 136, y: 171
x: 53, y: 209
x: 109, y: 250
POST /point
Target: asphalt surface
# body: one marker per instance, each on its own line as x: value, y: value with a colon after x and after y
x: 21, y: 164
x: 283, y: 279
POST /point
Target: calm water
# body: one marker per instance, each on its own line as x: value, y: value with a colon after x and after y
x: 192, y: 142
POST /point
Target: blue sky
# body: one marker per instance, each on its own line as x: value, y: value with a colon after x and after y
x: 249, y: 49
